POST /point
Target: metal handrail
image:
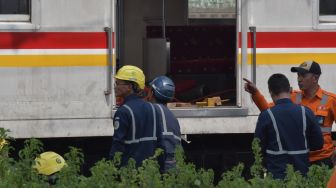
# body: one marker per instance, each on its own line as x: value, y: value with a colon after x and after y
x: 108, y: 90
x: 253, y: 30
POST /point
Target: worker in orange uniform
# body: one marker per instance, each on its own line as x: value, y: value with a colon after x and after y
x: 332, y: 180
x: 321, y: 102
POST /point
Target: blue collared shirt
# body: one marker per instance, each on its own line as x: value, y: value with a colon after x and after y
x: 135, y: 130
x: 291, y: 137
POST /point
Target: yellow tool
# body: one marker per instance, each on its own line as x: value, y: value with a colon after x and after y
x: 211, y: 102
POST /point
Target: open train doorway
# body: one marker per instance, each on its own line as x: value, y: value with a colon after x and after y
x: 194, y: 42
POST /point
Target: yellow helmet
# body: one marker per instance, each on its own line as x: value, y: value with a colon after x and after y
x: 132, y: 73
x: 3, y: 142
x: 49, y: 163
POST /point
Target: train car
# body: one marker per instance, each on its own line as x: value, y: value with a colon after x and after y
x: 58, y: 58
x: 55, y: 67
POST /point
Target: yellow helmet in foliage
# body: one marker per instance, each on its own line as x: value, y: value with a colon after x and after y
x: 133, y: 74
x: 49, y: 163
x: 3, y: 142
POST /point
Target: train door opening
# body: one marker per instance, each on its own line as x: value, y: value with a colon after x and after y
x: 194, y: 42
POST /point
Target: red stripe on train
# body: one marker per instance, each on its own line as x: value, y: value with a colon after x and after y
x: 53, y: 40
x: 293, y: 40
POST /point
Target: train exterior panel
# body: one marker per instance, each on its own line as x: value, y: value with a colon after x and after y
x: 57, y: 61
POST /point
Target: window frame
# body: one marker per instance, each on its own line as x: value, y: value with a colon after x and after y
x: 14, y: 18
x: 330, y: 19
x: 23, y: 21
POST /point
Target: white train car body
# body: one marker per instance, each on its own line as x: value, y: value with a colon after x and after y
x: 57, y: 61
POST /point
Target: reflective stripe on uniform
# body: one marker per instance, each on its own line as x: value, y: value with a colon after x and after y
x: 154, y: 120
x: 325, y: 129
x: 304, y: 122
x: 276, y: 129
x: 165, y: 132
x: 323, y: 101
x: 133, y: 121
x: 287, y: 152
x: 163, y: 119
x: 171, y: 134
x: 142, y: 139
x: 298, y: 98
x: 281, y: 150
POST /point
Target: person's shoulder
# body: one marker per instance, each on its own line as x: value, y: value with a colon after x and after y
x: 136, y: 101
x: 122, y: 109
x: 163, y: 107
x: 329, y: 94
x: 308, y: 110
x: 264, y: 117
x: 265, y: 112
x: 131, y: 105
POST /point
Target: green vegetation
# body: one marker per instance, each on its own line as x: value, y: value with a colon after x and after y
x: 105, y: 173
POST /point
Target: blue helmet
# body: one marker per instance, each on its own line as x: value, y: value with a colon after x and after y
x: 163, y: 88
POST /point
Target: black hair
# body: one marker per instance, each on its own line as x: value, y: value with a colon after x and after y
x: 278, y: 83
x: 135, y: 86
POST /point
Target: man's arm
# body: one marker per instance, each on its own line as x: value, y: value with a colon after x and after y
x: 257, y: 97
x: 121, y: 127
x: 333, y: 111
x: 332, y: 180
x: 313, y: 132
x: 334, y: 108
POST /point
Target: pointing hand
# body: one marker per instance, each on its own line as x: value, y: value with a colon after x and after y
x: 249, y: 86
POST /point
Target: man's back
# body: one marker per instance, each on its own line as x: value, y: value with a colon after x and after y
x: 136, y: 133
x: 171, y: 128
x: 170, y: 136
x: 327, y: 111
x: 287, y: 132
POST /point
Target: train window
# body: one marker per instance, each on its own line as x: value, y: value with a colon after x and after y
x: 15, y: 10
x: 211, y: 9
x: 327, y: 11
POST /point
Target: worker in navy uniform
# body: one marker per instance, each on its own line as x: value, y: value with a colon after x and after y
x: 287, y: 131
x: 162, y: 90
x: 135, y: 120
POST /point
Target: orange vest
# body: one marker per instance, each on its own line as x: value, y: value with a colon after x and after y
x: 332, y: 180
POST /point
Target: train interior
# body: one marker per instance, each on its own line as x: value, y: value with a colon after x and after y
x: 194, y: 44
